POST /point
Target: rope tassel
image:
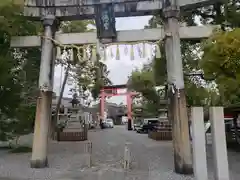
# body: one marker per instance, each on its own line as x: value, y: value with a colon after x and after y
x: 79, y: 54
x: 94, y: 54
x: 157, y: 51
x: 132, y: 53
x: 144, y: 50
x: 84, y: 53
x: 58, y: 53
x: 104, y: 53
x: 71, y: 56
x: 139, y: 52
x: 126, y: 50
x: 117, y: 53
x: 111, y: 53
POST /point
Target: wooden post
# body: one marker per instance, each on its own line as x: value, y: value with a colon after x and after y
x: 177, y: 109
x: 198, y: 144
x: 220, y: 157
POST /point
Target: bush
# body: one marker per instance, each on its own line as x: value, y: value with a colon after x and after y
x: 21, y: 149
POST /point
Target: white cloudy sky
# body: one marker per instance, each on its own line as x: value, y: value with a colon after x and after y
x: 119, y: 69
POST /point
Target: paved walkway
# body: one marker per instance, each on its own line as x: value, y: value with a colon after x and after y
x: 151, y: 160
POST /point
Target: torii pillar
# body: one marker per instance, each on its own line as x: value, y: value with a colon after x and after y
x: 177, y: 108
x: 102, y: 104
x: 129, y: 110
x: 43, y: 111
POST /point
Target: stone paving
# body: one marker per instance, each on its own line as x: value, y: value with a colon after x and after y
x: 151, y: 160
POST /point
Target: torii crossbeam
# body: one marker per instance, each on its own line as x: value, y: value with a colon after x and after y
x: 189, y: 32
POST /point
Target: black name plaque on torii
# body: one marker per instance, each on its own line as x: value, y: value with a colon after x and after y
x: 105, y: 21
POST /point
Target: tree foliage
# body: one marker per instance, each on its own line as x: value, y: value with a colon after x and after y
x: 197, y: 92
x: 220, y: 51
x: 19, y: 70
x: 101, y: 79
x: 77, y: 26
x: 224, y: 13
x: 143, y: 81
x: 18, y: 73
x: 220, y: 62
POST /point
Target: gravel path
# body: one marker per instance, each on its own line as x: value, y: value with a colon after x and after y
x: 151, y: 160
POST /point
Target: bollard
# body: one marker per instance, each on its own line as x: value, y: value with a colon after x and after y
x: 88, y: 153
x: 220, y: 158
x: 198, y: 144
x: 126, y: 164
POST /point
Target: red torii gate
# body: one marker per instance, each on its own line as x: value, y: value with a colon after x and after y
x: 109, y: 91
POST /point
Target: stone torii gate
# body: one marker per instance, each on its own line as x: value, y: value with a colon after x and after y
x: 51, y: 12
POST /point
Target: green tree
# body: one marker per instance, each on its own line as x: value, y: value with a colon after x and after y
x: 191, y: 51
x: 18, y: 71
x: 143, y: 81
x: 77, y: 26
x: 224, y: 13
x: 220, y: 62
x: 100, y: 80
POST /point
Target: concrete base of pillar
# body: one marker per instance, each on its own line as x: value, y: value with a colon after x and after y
x: 184, y: 169
x: 101, y: 124
x: 39, y: 163
x: 130, y: 125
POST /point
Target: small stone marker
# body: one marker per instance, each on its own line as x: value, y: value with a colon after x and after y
x: 198, y: 144
x: 126, y: 162
x: 88, y: 153
x: 220, y: 158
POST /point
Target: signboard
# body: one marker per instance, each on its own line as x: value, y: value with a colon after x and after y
x: 105, y: 21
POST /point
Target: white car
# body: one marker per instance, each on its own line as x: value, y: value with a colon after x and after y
x: 109, y: 123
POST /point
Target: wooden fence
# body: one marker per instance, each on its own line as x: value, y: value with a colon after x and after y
x: 163, y: 132
x: 161, y: 135
x: 73, y: 136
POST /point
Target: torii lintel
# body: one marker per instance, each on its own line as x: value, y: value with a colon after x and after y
x: 69, y: 10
